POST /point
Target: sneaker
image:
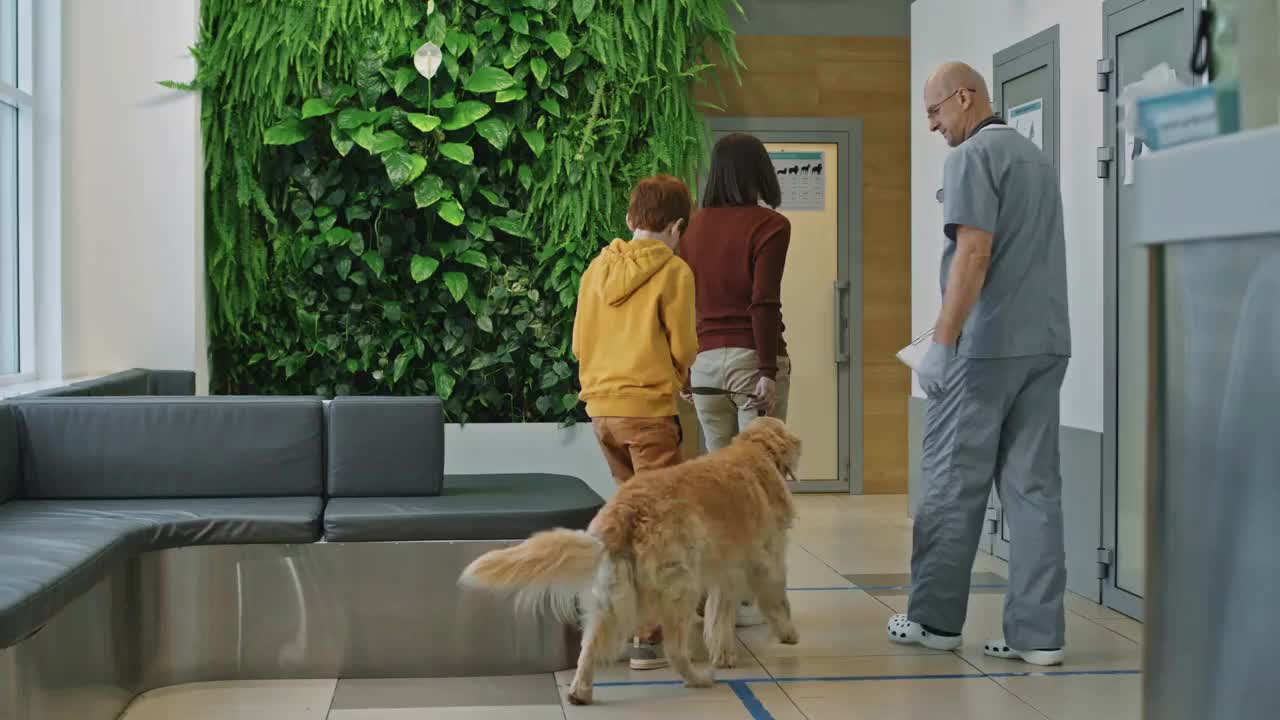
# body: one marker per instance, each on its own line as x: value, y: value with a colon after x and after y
x: 749, y: 615
x: 647, y: 656
x: 906, y: 632
x: 998, y: 648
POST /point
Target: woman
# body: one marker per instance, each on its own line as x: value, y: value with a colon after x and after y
x: 737, y: 249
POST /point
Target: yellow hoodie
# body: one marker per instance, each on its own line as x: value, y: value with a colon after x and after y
x: 635, y: 334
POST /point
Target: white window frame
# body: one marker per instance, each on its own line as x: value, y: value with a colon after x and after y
x: 38, y: 97
x: 23, y: 99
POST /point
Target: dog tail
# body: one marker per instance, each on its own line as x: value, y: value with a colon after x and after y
x: 553, y: 566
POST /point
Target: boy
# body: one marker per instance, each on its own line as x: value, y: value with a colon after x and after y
x: 635, y: 340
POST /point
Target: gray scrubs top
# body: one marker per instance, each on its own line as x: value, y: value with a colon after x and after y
x: 1000, y: 182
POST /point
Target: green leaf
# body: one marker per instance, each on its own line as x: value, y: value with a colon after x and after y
x: 363, y: 136
x: 333, y: 237
x: 386, y: 141
x: 445, y: 381
x: 422, y: 267
x: 368, y: 78
x: 526, y: 177
x: 551, y: 105
x: 466, y: 114
x: 452, y: 213
x: 316, y: 107
x: 446, y: 101
x: 512, y: 95
x: 375, y: 263
x: 403, y: 167
x: 560, y: 44
x: 582, y: 10
x: 474, y: 257
x: 342, y: 142
x: 569, y: 401
x: 458, y: 153
x: 489, y: 80
x: 351, y: 118
x: 539, y: 68
x: 428, y: 191
x: 392, y: 311
x: 494, y: 198
x: 341, y: 94
x: 510, y: 226
x: 457, y: 42
x: 422, y: 121
x: 536, y: 140
x: 485, y: 323
x: 457, y: 284
x: 343, y: 268
x: 402, y: 79
x: 401, y: 366
x: 519, y: 22
x: 495, y: 130
x: 288, y: 132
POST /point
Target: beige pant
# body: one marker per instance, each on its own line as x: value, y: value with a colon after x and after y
x: 722, y: 417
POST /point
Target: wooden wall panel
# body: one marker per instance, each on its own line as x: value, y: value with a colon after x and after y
x: 868, y: 78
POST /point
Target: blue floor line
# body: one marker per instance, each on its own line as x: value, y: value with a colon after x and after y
x: 873, y: 678
x: 755, y: 708
x: 883, y: 588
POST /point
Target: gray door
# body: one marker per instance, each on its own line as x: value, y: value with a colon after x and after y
x: 821, y: 290
x: 1138, y: 35
x: 1025, y: 89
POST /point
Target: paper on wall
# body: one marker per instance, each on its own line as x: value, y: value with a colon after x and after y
x: 1028, y: 119
x: 802, y: 179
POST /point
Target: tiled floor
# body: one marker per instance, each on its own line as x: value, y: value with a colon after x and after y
x: 849, y: 572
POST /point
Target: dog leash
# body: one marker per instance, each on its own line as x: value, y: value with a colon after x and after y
x: 703, y: 390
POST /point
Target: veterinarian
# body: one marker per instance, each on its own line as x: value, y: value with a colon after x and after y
x: 992, y: 376
x: 737, y: 249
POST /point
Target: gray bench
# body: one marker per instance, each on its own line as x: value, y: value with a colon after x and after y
x: 128, y: 383
x: 329, y: 526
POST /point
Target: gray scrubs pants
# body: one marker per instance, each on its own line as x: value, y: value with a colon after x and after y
x: 997, y: 420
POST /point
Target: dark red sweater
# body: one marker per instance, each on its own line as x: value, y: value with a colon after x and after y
x: 737, y: 255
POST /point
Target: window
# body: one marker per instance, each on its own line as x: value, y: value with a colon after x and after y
x: 16, y: 359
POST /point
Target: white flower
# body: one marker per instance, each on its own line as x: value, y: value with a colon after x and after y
x: 427, y: 59
x: 431, y: 6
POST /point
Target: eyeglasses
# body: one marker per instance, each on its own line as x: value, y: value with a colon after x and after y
x: 932, y: 110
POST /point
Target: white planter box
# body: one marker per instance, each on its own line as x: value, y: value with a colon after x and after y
x: 478, y: 448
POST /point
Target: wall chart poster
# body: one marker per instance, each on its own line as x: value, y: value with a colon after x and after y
x: 802, y: 177
x: 1028, y: 119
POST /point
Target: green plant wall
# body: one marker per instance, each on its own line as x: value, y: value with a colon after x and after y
x: 372, y: 231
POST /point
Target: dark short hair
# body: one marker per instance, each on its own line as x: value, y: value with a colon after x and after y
x: 741, y: 174
x: 658, y: 201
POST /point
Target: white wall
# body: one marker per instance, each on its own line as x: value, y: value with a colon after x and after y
x: 861, y: 18
x: 483, y: 448
x: 973, y: 31
x: 132, y: 217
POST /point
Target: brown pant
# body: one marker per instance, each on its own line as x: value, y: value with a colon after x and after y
x: 633, y: 445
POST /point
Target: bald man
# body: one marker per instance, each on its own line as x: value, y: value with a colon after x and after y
x: 992, y: 375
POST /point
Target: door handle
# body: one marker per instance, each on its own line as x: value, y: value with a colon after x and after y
x: 837, y: 314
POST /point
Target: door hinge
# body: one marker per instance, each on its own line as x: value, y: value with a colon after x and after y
x: 1105, y: 557
x: 1105, y: 156
x: 1105, y: 68
x: 993, y: 521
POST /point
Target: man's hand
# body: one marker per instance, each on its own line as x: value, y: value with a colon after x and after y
x: 765, y: 395
x: 933, y: 369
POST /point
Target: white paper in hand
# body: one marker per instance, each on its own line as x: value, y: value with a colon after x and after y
x: 913, y: 355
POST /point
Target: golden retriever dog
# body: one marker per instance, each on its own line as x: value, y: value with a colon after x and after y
x: 713, y: 527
